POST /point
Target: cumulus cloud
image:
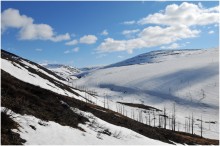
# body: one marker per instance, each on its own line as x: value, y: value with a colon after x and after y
x: 71, y: 43
x: 88, y: 39
x: 104, y: 32
x: 174, y: 23
x: 129, y: 22
x: 186, y: 13
x: 149, y: 37
x: 11, y: 18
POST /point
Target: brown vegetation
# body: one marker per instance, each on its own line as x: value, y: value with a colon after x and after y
x: 8, y: 137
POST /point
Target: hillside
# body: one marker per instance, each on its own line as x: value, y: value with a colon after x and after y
x: 36, y: 120
x: 28, y: 89
x: 189, y: 78
x: 41, y: 109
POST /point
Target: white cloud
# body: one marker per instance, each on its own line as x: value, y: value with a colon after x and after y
x: 104, y: 32
x: 75, y: 49
x: 176, y: 21
x: 148, y: 37
x: 172, y: 46
x: 71, y: 43
x: 11, y: 18
x: 129, y: 22
x: 211, y: 32
x: 88, y: 39
x: 129, y: 32
x: 38, y: 49
x: 33, y: 31
x: 186, y: 14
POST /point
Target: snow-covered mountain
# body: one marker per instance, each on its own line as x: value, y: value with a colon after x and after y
x: 189, y: 78
x: 108, y: 106
x: 64, y: 71
x: 23, y: 85
x: 39, y: 108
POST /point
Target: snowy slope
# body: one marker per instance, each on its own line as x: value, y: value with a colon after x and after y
x: 31, y: 73
x: 55, y: 134
x: 66, y: 72
x: 38, y: 131
x: 190, y: 78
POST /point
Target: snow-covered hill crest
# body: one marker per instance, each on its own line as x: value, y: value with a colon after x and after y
x: 156, y: 57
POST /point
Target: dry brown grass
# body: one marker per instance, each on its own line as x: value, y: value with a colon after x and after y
x: 8, y: 137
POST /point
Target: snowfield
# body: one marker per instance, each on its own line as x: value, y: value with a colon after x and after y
x: 190, y: 78
x: 55, y: 134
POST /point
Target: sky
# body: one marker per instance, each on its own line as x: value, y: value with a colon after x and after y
x: 83, y: 34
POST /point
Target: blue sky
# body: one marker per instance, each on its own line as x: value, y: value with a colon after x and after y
x: 105, y: 32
